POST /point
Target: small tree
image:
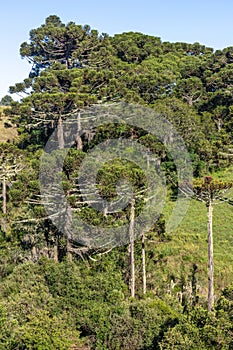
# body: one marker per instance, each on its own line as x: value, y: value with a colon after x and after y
x: 6, y: 100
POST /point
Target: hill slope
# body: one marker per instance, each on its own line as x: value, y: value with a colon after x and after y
x: 7, y: 132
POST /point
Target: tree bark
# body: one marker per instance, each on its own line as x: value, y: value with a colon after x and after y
x: 105, y: 213
x: 210, y: 259
x: 60, y: 133
x: 68, y: 229
x: 34, y: 253
x: 143, y: 264
x: 78, y: 137
x: 131, y: 235
x: 55, y: 251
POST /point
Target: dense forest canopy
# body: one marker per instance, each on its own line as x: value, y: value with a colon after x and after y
x: 150, y: 291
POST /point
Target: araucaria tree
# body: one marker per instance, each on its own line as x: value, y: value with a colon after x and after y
x: 69, y: 68
x: 9, y: 168
x: 210, y: 192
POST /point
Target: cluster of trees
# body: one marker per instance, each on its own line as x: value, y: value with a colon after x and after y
x: 86, y: 306
x: 59, y: 293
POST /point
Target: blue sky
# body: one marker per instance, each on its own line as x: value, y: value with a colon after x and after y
x: 208, y: 22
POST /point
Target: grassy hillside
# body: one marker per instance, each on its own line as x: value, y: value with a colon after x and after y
x: 6, y: 132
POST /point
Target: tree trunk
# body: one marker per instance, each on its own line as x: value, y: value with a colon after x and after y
x: 67, y: 63
x: 68, y: 249
x: 60, y: 133
x: 4, y: 205
x: 210, y: 259
x: 78, y: 137
x: 35, y: 256
x: 55, y: 252
x: 219, y: 124
x: 68, y: 228
x: 131, y: 235
x: 143, y: 264
x: 105, y: 212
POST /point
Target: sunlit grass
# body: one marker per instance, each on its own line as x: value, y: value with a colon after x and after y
x: 6, y: 133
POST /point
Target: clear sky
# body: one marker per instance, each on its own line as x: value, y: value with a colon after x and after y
x: 209, y: 22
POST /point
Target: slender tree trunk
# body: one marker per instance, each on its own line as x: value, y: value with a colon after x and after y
x: 4, y: 205
x: 34, y: 253
x: 210, y: 259
x: 60, y: 133
x: 78, y: 137
x: 69, y: 254
x: 67, y: 63
x: 219, y: 125
x: 68, y: 229
x: 143, y: 264
x: 55, y: 251
x: 148, y: 162
x: 131, y: 235
x: 105, y: 213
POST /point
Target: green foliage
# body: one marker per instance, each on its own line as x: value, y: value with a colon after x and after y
x: 6, y: 100
x: 31, y: 318
x: 50, y: 302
